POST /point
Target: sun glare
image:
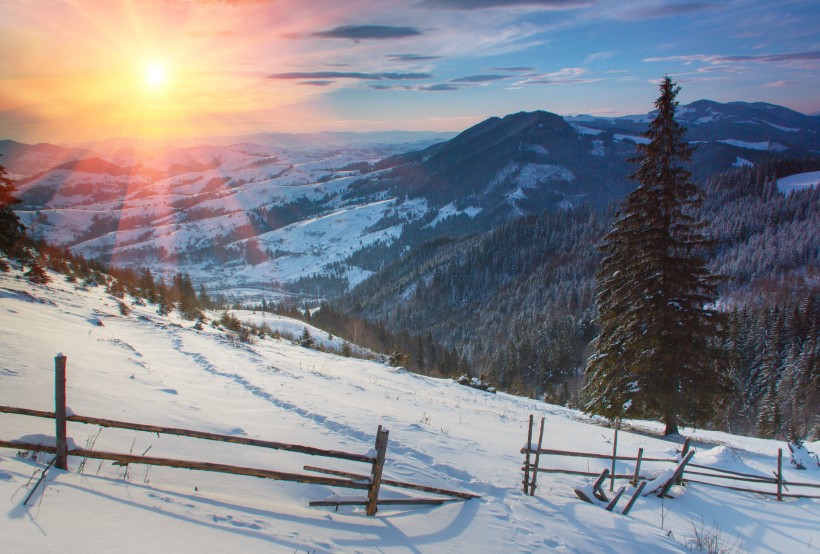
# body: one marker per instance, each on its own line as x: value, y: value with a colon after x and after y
x: 155, y: 75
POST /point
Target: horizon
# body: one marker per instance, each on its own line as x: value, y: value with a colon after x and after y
x: 87, y: 70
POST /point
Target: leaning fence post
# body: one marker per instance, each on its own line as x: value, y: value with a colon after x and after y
x: 684, y: 451
x: 537, y: 459
x: 780, y: 475
x: 614, y: 456
x: 61, y: 459
x: 527, y: 457
x: 376, y: 473
x: 637, y: 468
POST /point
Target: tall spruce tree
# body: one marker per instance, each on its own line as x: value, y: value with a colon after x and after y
x: 656, y: 356
x: 11, y: 230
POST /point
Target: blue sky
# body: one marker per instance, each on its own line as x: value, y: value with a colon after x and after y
x: 235, y: 66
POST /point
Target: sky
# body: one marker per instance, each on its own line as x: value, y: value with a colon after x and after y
x: 80, y: 70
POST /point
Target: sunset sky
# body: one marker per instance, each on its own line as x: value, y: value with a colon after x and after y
x: 77, y: 70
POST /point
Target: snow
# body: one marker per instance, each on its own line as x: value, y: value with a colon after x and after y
x: 637, y: 140
x: 742, y: 162
x: 765, y: 146
x: 159, y: 370
x: 798, y: 182
x: 450, y: 210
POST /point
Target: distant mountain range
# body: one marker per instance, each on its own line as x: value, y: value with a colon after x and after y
x: 319, y: 213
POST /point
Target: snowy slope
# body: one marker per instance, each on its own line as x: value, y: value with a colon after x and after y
x: 151, y: 369
x: 799, y: 181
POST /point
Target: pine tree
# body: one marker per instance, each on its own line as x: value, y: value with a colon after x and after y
x: 656, y: 356
x: 11, y: 230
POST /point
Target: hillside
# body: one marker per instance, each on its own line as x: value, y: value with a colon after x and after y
x: 317, y: 214
x: 519, y: 301
x: 154, y: 369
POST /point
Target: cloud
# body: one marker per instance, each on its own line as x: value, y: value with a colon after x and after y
x: 318, y: 83
x: 368, y: 32
x: 565, y: 76
x: 598, y: 56
x: 763, y: 58
x: 411, y: 57
x: 323, y: 75
x: 779, y: 84
x: 479, y: 78
x: 441, y: 87
x: 513, y: 69
x: 483, y: 4
x: 670, y: 10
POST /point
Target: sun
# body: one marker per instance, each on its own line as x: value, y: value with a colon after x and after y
x: 155, y: 75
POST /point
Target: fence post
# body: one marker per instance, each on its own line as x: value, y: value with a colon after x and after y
x: 637, y: 468
x: 684, y: 451
x: 614, y: 456
x: 537, y: 458
x: 527, y: 457
x: 61, y: 459
x: 780, y: 475
x: 376, y: 473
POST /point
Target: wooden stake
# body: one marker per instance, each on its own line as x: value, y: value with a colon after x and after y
x: 637, y: 468
x: 677, y: 475
x: 537, y: 457
x: 527, y: 457
x: 61, y: 461
x: 614, y: 456
x: 780, y: 475
x: 376, y: 473
x: 634, y: 498
x: 683, y: 454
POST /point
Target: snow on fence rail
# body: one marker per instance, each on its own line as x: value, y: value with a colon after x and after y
x: 531, y: 469
x: 371, y: 483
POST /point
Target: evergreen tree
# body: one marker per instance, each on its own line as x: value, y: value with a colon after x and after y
x: 11, y: 230
x: 656, y: 356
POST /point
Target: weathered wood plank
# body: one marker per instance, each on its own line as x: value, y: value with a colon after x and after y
x: 597, y: 456
x: 634, y: 498
x: 376, y: 472
x: 61, y: 459
x: 537, y: 458
x: 222, y: 438
x: 218, y: 468
x: 392, y: 483
x: 26, y: 412
x: 384, y: 502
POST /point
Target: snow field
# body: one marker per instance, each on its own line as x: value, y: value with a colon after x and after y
x: 159, y: 370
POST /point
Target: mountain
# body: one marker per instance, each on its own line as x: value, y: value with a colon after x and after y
x: 317, y: 214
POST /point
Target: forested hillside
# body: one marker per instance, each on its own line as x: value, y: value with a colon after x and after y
x: 518, y: 301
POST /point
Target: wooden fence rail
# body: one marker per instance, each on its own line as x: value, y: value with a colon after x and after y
x: 530, y: 469
x: 371, y: 483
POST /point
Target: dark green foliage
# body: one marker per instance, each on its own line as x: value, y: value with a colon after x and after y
x: 11, y: 230
x: 306, y: 339
x: 656, y: 355
x: 398, y: 359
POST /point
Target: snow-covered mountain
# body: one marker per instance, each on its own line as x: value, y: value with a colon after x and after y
x: 319, y: 213
x: 160, y: 370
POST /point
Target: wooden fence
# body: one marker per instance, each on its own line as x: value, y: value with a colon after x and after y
x: 371, y: 483
x: 716, y: 477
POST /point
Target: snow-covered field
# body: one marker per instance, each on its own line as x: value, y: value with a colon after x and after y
x: 152, y: 369
x: 799, y: 181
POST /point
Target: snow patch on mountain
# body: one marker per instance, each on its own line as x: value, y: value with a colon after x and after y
x: 631, y: 138
x: 764, y: 146
x: 450, y: 210
x: 798, y: 182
